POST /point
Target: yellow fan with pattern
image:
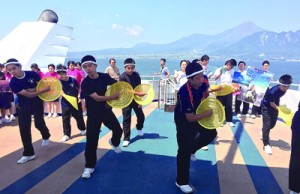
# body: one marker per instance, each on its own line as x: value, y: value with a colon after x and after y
x: 55, y: 88
x: 218, y: 116
x: 126, y: 94
x: 226, y: 89
x: 147, y: 98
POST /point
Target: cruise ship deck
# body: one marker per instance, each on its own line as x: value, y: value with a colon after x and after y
x: 235, y: 162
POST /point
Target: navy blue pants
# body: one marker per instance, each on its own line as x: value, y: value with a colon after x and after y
x: 269, y: 116
x: 127, y: 118
x: 67, y: 113
x: 94, y: 122
x: 227, y: 103
x: 190, y: 139
x: 294, y: 169
x: 24, y: 115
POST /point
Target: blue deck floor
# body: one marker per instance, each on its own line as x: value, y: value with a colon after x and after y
x: 148, y: 165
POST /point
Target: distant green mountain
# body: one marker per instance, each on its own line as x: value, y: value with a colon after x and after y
x: 245, y: 41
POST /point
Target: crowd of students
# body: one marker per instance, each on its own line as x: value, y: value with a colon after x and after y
x: 90, y: 90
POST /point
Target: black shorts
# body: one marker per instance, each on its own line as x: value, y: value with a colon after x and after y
x: 4, y: 101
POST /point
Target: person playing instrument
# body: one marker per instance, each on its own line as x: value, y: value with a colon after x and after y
x: 71, y: 88
x: 94, y: 87
x: 269, y: 108
x: 134, y: 79
x: 190, y: 135
x: 23, y: 83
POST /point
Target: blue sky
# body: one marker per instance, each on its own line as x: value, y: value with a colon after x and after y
x: 102, y: 24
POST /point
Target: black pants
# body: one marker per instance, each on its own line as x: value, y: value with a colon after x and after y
x: 67, y: 113
x: 127, y: 118
x: 227, y: 103
x: 269, y: 116
x: 24, y: 114
x: 238, y: 106
x: 256, y: 110
x: 94, y: 122
x: 190, y: 139
x: 294, y: 170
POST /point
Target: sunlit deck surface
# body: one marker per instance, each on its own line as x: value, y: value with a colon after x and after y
x: 235, y: 162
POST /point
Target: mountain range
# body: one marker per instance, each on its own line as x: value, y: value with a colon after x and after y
x: 245, y: 41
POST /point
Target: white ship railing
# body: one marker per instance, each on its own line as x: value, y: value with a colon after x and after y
x: 167, y: 97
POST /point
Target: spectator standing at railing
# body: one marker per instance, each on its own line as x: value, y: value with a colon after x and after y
x: 238, y: 103
x: 112, y: 69
x: 180, y: 76
x: 204, y: 62
x: 256, y: 110
x: 164, y: 71
x: 54, y: 103
x: 223, y: 75
x: 34, y: 67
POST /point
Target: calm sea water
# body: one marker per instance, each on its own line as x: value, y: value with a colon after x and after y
x: 152, y: 66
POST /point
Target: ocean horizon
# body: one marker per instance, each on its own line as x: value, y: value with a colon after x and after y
x: 150, y: 67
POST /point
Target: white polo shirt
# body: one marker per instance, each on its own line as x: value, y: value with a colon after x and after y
x: 226, y: 77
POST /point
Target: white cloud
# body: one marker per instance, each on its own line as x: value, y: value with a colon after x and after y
x: 134, y: 30
x: 117, y: 15
x: 117, y: 27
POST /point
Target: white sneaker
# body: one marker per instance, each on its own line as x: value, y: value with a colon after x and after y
x: 247, y: 115
x: 194, y: 157
x: 54, y: 115
x: 12, y: 117
x: 140, y: 132
x: 253, y: 116
x: 126, y: 143
x: 45, y: 142
x: 87, y: 172
x: 117, y: 149
x: 5, y: 120
x: 83, y: 132
x: 64, y: 138
x: 49, y: 115
x: 185, y: 188
x: 231, y: 124
x: 239, y: 115
x: 7, y: 117
x: 25, y: 159
x: 205, y: 148
x: 268, y: 149
x: 293, y: 192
